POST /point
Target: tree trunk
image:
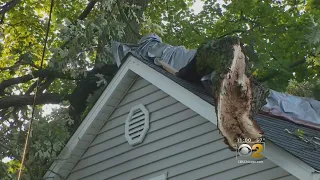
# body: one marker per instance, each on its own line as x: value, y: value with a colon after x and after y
x: 237, y: 95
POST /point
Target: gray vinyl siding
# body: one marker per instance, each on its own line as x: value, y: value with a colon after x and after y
x: 179, y: 142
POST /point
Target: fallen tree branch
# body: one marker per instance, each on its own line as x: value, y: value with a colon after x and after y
x: 237, y: 95
x: 23, y: 100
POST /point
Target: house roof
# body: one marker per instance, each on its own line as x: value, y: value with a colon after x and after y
x: 281, y: 148
x: 274, y: 128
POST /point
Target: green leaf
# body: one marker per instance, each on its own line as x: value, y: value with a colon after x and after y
x: 300, y: 132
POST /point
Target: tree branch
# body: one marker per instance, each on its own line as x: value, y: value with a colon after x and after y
x: 82, y: 16
x: 18, y: 64
x: 87, y: 10
x: 49, y: 80
x: 9, y: 149
x: 2, y: 18
x: 124, y: 16
x: 32, y: 87
x: 5, y: 146
x: 6, y: 83
x: 276, y: 73
x: 5, y: 8
x: 40, y: 73
x: 46, y: 84
x: 232, y: 32
x: 9, y: 68
x: 23, y: 100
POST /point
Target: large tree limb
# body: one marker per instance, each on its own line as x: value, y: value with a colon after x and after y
x: 48, y: 73
x: 78, y: 98
x: 7, y: 83
x: 39, y: 73
x: 23, y: 100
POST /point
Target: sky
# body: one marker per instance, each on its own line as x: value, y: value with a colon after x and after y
x: 197, y: 6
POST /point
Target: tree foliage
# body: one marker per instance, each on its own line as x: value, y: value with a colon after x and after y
x: 282, y: 40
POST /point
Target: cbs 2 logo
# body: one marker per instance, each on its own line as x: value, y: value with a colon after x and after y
x: 254, y: 151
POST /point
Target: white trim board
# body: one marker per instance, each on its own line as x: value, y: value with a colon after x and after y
x: 273, y: 152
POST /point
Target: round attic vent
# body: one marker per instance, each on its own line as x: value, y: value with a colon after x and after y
x: 137, y: 124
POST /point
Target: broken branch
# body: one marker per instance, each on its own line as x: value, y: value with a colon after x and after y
x: 237, y: 95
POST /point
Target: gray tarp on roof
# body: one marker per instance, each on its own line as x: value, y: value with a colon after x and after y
x: 151, y: 47
x: 294, y: 108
